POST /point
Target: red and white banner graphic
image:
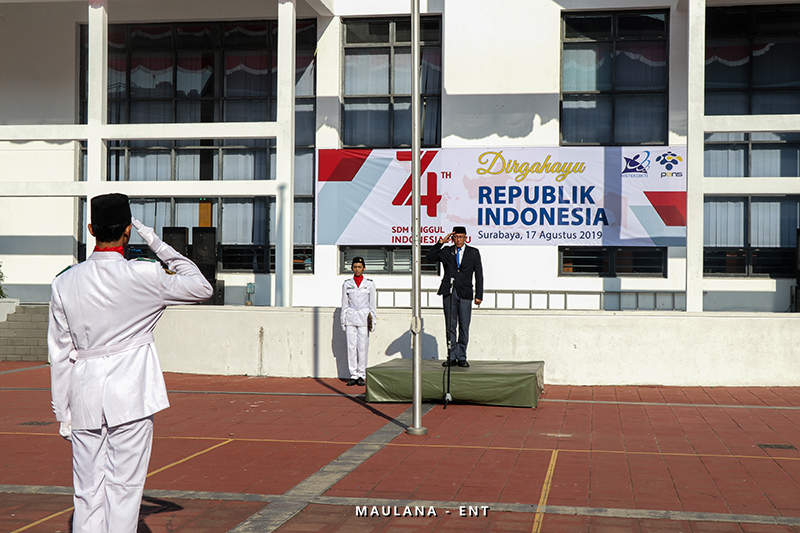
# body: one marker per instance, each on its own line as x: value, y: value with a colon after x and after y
x: 593, y: 196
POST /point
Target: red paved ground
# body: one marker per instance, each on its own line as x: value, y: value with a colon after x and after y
x: 628, y: 456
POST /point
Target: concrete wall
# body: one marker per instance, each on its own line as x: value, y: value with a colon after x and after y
x: 578, y: 348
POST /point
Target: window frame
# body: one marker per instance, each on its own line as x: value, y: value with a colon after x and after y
x: 392, y: 45
x: 614, y: 92
x: 613, y: 268
x: 428, y: 269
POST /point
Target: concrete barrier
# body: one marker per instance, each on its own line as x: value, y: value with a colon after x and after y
x: 579, y: 348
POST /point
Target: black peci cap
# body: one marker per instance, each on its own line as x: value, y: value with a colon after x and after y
x: 110, y: 210
x: 358, y: 259
x: 460, y: 229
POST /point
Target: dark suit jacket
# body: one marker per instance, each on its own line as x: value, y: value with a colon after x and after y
x: 470, y: 265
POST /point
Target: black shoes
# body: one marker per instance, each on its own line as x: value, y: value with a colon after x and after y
x: 450, y: 362
x: 361, y: 382
x: 352, y: 382
x: 463, y: 364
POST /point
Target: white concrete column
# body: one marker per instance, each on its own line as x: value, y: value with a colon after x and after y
x: 284, y: 200
x: 97, y: 104
x: 694, y: 155
x: 329, y: 82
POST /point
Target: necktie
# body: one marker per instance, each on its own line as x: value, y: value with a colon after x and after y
x: 458, y: 257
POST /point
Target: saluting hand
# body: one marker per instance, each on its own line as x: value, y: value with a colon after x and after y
x: 153, y: 241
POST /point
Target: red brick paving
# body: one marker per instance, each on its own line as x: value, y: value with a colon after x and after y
x: 619, y: 456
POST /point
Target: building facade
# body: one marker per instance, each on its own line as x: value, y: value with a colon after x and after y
x: 200, y: 113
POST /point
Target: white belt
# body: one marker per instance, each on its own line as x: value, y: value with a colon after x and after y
x: 113, y: 349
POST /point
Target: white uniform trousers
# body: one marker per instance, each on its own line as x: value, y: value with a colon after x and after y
x: 109, y: 467
x: 357, y: 349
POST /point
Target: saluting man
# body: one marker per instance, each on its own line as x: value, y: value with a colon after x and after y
x: 359, y: 315
x: 106, y: 378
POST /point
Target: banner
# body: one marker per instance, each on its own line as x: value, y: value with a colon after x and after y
x: 583, y: 196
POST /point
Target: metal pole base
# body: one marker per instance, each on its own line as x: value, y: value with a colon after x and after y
x: 417, y: 431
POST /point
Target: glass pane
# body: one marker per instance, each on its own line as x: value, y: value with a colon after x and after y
x: 366, y: 122
x: 197, y: 35
x: 776, y: 64
x: 776, y: 160
x: 640, y: 119
x: 728, y: 64
x: 428, y: 30
x: 366, y: 71
x: 773, y: 222
x: 587, y: 67
x: 247, y: 74
x: 586, y: 119
x: 245, y: 163
x: 245, y: 34
x: 723, y: 221
x: 402, y: 71
x: 188, y: 211
x: 305, y: 124
x: 587, y: 27
x: 117, y: 112
x: 585, y: 261
x: 366, y: 31
x: 727, y: 103
x: 237, y: 221
x: 150, y: 165
x: 776, y: 103
x: 304, y: 171
x: 727, y: 22
x: 777, y: 262
x: 776, y: 20
x: 431, y: 121
x: 117, y: 75
x: 717, y: 137
x: 116, y: 164
x: 402, y: 122
x: 151, y: 112
x: 431, y: 74
x: 116, y: 37
x: 641, y: 66
x: 639, y: 261
x: 717, y: 261
x: 247, y: 110
x: 197, y: 111
x: 151, y: 75
x: 195, y: 75
x: 151, y: 36
x: 401, y: 260
x: 642, y: 25
x: 191, y: 165
x: 304, y: 73
x: 303, y: 221
x: 782, y: 136
x: 306, y: 32
x: 725, y: 161
x: 375, y: 259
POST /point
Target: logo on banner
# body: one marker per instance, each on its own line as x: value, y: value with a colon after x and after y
x: 636, y: 166
x: 669, y: 161
x: 431, y: 198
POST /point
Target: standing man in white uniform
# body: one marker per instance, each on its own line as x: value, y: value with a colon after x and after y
x: 359, y: 316
x: 106, y: 378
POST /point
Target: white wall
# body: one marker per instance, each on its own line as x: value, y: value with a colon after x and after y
x: 578, y: 348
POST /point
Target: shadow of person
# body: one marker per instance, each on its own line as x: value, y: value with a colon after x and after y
x: 402, y: 345
x: 160, y: 506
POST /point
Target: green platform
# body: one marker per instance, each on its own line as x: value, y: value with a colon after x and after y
x: 512, y: 384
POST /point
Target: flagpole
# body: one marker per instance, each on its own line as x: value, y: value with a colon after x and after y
x: 416, y: 260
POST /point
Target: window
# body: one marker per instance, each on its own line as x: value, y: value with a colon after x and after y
x: 733, y: 155
x: 210, y: 72
x: 377, y: 82
x: 384, y: 260
x: 612, y: 262
x: 752, y: 60
x: 614, y: 79
x: 750, y: 236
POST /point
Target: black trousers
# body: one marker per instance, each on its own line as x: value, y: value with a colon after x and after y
x: 457, y: 316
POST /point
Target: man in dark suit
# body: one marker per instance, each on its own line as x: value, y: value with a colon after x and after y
x: 460, y: 262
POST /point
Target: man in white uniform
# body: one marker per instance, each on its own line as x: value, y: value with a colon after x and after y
x: 106, y: 378
x: 359, y: 315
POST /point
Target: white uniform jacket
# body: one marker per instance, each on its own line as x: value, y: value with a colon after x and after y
x: 102, y: 355
x: 358, y: 303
